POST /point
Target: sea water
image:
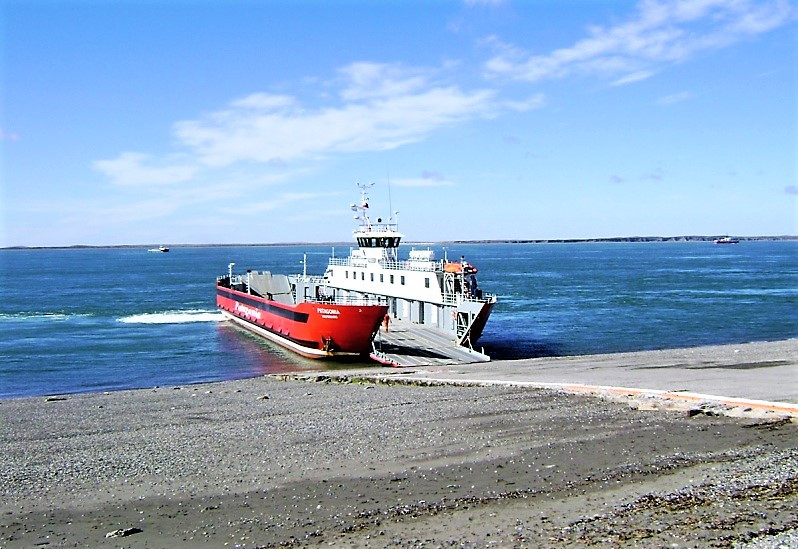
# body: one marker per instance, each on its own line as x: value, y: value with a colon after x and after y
x: 87, y: 320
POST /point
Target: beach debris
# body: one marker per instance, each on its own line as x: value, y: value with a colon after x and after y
x: 263, y: 397
x: 123, y: 532
x: 54, y: 398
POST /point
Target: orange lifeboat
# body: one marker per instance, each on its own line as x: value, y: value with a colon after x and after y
x: 465, y: 268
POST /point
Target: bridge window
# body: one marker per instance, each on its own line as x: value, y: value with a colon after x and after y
x: 402, y: 280
x: 426, y: 282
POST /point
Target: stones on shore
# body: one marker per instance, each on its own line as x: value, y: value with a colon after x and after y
x: 123, y: 532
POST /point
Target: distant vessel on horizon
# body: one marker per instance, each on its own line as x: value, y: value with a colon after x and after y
x: 159, y: 249
x: 726, y: 240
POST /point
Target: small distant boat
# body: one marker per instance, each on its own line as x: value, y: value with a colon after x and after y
x: 726, y: 240
x: 159, y: 249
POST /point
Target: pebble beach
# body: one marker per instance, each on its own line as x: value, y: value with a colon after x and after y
x: 271, y: 461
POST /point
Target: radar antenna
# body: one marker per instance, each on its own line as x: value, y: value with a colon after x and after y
x: 363, y: 207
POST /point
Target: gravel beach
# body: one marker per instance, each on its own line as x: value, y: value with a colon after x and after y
x: 265, y: 462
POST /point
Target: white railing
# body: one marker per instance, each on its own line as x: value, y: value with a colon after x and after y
x: 456, y: 299
x: 401, y: 265
x: 376, y: 228
x: 348, y: 301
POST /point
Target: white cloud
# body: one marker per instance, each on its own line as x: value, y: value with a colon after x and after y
x: 8, y: 136
x: 129, y: 169
x: 276, y: 203
x: 427, y: 179
x: 371, y: 80
x: 381, y: 110
x: 633, y: 77
x: 661, y: 32
x: 485, y: 2
x: 532, y: 102
x: 674, y: 98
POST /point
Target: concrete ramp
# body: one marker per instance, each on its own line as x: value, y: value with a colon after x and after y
x: 408, y: 344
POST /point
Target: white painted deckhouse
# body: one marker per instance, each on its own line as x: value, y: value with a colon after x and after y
x: 420, y: 289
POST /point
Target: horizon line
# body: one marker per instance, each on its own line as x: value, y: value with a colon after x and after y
x: 679, y: 238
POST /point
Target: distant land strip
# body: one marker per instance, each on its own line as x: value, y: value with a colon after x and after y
x: 690, y: 238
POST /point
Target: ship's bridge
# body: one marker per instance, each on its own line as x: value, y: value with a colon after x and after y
x: 377, y: 241
x: 378, y: 236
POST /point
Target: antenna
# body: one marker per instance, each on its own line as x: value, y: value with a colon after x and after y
x: 363, y: 207
x: 390, y: 206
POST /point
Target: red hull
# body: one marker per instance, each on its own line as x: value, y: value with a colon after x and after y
x: 314, y: 330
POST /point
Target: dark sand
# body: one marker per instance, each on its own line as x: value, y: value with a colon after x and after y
x: 264, y: 462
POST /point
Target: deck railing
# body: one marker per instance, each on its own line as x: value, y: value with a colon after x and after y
x: 400, y: 265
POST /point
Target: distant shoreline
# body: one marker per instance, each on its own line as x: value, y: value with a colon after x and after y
x: 621, y: 239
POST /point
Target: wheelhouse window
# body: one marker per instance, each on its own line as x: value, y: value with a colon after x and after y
x: 378, y: 242
x: 426, y: 282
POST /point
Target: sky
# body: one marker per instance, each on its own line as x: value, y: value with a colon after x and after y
x: 169, y: 122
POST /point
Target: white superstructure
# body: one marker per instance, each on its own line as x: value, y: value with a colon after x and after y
x: 419, y: 289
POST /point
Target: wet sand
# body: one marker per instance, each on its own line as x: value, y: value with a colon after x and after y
x: 265, y: 462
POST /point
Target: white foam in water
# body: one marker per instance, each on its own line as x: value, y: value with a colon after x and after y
x: 38, y: 316
x: 173, y: 317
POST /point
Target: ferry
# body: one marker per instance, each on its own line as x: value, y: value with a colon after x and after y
x: 341, y: 312
x: 726, y: 240
x: 298, y: 313
x: 439, y: 294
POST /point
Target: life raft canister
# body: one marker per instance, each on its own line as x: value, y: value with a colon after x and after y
x: 466, y: 268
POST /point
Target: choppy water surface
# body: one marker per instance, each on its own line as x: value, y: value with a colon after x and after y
x: 96, y: 320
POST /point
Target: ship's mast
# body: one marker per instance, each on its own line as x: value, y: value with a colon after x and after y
x: 362, y: 208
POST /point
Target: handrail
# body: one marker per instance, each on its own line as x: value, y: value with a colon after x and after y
x: 388, y: 264
x: 377, y: 228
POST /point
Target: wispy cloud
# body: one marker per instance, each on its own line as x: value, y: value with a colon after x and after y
x: 8, y: 136
x: 485, y: 2
x: 660, y: 33
x: 277, y: 202
x: 674, y: 98
x: 380, y: 107
x: 427, y: 179
x: 131, y: 169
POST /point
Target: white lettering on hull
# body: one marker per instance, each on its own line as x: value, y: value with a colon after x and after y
x: 248, y: 312
x: 328, y: 313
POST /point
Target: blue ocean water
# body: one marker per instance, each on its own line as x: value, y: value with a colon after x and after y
x: 87, y: 320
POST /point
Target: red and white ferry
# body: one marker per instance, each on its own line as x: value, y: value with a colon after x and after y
x: 341, y: 312
x: 297, y: 313
x: 438, y: 294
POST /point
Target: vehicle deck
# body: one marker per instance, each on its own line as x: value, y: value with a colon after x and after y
x: 407, y: 344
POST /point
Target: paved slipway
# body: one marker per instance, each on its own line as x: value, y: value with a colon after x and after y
x: 750, y: 379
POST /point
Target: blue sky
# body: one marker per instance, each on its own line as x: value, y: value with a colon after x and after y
x: 246, y: 121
